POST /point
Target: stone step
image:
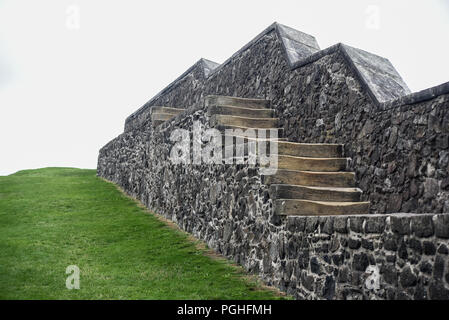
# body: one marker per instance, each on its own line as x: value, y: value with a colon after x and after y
x: 236, y: 102
x: 310, y: 150
x: 289, y: 207
x: 312, y: 164
x: 239, y: 139
x: 285, y: 191
x: 168, y: 110
x: 159, y: 118
x: 241, y: 143
x: 300, y: 149
x: 311, y: 179
x: 162, y: 116
x: 225, y: 127
x: 220, y: 119
x: 241, y: 112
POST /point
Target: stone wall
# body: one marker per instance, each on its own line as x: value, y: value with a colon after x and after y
x: 399, y: 152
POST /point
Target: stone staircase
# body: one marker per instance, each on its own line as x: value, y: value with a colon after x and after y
x: 311, y: 179
x: 162, y: 114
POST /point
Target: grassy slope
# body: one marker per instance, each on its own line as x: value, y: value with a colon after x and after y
x: 54, y: 217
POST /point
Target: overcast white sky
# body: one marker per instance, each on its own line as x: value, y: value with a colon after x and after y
x: 67, y: 84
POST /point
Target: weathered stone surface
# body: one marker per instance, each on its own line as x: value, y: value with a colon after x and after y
x: 442, y: 226
x: 354, y: 243
x: 429, y: 248
x: 407, y: 278
x: 375, y: 225
x: 416, y: 245
x: 356, y: 224
x: 400, y: 225
x: 402, y: 251
x: 360, y: 262
x: 422, y: 226
x: 437, y: 291
x: 367, y: 244
x: 391, y: 243
x: 426, y: 267
x: 443, y: 249
x: 341, y: 225
x: 438, y: 268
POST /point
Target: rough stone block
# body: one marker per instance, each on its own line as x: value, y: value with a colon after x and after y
x: 400, y: 225
x: 356, y: 224
x: 375, y: 224
x: 422, y: 226
x: 441, y: 223
x: 341, y: 225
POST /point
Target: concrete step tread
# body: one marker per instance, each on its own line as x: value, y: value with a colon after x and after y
x: 313, y: 144
x: 170, y: 110
x: 311, y: 158
x: 228, y: 126
x: 224, y: 127
x: 253, y: 123
x: 324, y: 193
x: 236, y: 101
x: 307, y: 150
x: 238, y: 108
x: 339, y: 189
x: 159, y: 116
x: 329, y: 203
x: 316, y: 172
x: 257, y: 139
x: 299, y: 207
x: 311, y: 178
x: 312, y: 164
x: 227, y: 116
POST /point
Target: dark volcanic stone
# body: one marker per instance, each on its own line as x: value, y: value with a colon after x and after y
x: 391, y: 258
x: 420, y: 293
x: 442, y: 226
x: 394, y: 203
x: 315, y: 265
x: 303, y: 259
x: 307, y: 281
x: 437, y: 291
x: 422, y: 227
x: 391, y: 244
x: 329, y: 288
x: 443, y: 249
x: 367, y: 244
x: 360, y: 262
x: 356, y: 224
x: 340, y: 225
x: 415, y: 245
x: 343, y: 275
x: 390, y: 274
x: 375, y: 225
x: 354, y: 243
x: 425, y: 267
x: 338, y: 259
x: 431, y: 188
x: 400, y: 225
x: 328, y: 226
x: 438, y: 268
x: 407, y: 278
x: 429, y: 248
x: 402, y: 251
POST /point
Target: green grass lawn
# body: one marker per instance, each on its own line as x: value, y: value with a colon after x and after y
x: 55, y: 217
